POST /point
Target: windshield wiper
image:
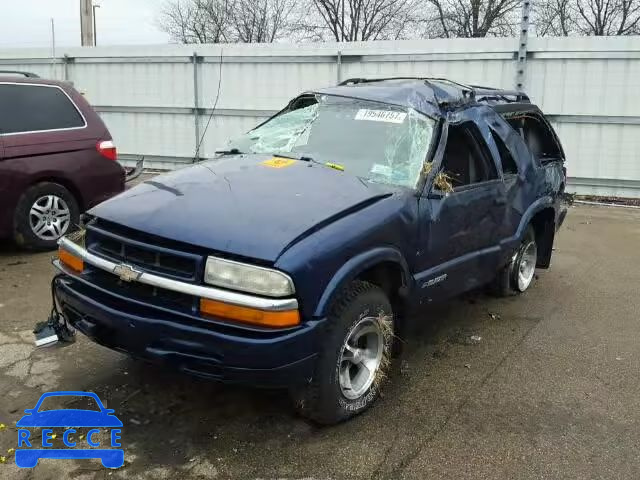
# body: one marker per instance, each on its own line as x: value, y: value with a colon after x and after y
x: 304, y: 158
x: 232, y: 151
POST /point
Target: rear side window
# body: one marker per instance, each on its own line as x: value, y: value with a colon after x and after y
x: 536, y: 134
x: 508, y: 163
x: 32, y: 108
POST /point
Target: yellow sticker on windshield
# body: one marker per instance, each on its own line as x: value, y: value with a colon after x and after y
x: 276, y: 162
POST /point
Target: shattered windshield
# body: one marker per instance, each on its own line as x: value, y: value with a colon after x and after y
x: 375, y: 141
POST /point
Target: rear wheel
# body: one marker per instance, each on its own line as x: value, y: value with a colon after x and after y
x: 45, y: 212
x: 524, y: 264
x: 355, y: 356
x: 518, y: 275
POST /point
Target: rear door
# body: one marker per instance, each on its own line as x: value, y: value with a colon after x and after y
x: 513, y: 154
x: 42, y: 119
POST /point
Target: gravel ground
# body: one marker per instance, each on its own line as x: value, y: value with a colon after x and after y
x: 549, y: 390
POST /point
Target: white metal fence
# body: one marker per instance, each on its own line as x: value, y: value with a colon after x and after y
x: 156, y: 100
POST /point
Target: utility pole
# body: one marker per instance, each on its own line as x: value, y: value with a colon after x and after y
x: 53, y: 48
x: 53, y: 40
x: 86, y: 23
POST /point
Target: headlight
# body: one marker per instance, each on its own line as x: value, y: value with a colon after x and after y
x: 248, y: 278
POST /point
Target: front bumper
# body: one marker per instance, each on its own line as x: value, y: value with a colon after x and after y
x: 200, y: 346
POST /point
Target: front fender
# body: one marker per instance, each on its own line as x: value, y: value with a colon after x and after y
x: 354, y: 267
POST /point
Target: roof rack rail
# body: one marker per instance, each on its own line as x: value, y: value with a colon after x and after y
x: 352, y: 81
x: 355, y: 81
x: 470, y: 92
x: 18, y: 72
x: 491, y: 93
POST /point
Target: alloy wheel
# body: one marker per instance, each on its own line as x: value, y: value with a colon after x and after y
x: 526, y: 266
x: 361, y: 357
x: 49, y: 217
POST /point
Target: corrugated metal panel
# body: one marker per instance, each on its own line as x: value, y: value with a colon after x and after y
x: 146, y: 84
x: 261, y: 86
x: 160, y: 134
x: 606, y: 152
x: 146, y: 94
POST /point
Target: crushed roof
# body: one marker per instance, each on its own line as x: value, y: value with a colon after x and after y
x: 431, y: 96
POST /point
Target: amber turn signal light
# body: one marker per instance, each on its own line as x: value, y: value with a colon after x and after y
x: 285, y: 318
x: 70, y: 260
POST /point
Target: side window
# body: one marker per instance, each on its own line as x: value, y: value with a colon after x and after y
x: 466, y: 157
x: 36, y: 108
x: 536, y: 134
x: 508, y: 163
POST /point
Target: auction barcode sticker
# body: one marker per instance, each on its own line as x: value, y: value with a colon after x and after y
x: 388, y: 116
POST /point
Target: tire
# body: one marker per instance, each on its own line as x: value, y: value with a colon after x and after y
x: 45, y: 212
x: 361, y: 315
x: 511, y: 279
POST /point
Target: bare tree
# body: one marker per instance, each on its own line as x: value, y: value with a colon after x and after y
x: 608, y: 17
x: 554, y: 18
x: 360, y: 20
x: 588, y: 17
x: 261, y: 20
x: 195, y: 21
x: 247, y: 21
x: 215, y: 21
x: 472, y: 18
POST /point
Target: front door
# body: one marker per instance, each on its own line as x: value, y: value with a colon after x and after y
x: 462, y: 217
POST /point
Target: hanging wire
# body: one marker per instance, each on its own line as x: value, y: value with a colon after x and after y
x: 213, y: 109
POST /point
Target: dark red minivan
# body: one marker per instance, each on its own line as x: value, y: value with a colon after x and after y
x: 57, y: 159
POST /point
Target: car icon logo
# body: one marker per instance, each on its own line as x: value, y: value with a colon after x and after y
x: 126, y: 272
x: 66, y: 421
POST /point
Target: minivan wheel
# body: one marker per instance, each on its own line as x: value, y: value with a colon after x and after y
x: 45, y: 213
x: 354, y: 358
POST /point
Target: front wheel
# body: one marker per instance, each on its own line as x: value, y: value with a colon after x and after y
x: 355, y: 356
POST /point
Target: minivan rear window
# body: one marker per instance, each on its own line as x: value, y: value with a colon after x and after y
x: 32, y: 108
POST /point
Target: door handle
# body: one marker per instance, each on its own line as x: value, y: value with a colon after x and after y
x: 500, y: 200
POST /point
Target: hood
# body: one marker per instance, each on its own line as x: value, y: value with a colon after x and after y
x: 253, y: 206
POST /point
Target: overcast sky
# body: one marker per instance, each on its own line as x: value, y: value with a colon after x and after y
x: 27, y: 23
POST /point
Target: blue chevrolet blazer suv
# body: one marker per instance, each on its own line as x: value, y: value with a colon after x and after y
x: 294, y: 258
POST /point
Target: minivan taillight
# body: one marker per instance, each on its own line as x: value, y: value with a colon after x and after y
x: 107, y: 149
